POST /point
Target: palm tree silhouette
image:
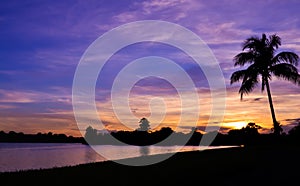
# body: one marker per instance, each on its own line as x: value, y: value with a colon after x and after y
x: 259, y: 55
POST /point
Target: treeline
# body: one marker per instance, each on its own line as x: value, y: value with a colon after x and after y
x: 140, y: 138
x: 49, y: 137
x: 248, y: 135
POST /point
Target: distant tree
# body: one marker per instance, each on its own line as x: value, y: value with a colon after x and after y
x: 251, y: 129
x: 195, y: 136
x: 166, y: 131
x: 90, y: 135
x: 263, y: 61
x: 12, y: 133
x: 162, y: 135
x: 144, y: 125
x: 245, y: 136
x: 50, y: 134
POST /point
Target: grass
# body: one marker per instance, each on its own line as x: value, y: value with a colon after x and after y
x: 232, y: 166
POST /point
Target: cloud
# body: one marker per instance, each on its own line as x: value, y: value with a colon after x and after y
x: 257, y: 99
x: 176, y: 9
x: 156, y: 5
x: 126, y: 17
x: 55, y: 58
x: 34, y: 123
x: 6, y: 106
x: 170, y: 10
x: 223, y: 33
x: 290, y: 123
x: 19, y: 96
x: 293, y: 120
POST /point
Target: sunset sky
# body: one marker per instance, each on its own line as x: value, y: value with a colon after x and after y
x: 42, y: 42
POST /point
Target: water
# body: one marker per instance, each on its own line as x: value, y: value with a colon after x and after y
x: 24, y: 156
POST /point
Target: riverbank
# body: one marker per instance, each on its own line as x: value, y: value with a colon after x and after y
x: 231, y: 166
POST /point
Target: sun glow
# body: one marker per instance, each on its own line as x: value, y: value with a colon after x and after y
x: 236, y: 125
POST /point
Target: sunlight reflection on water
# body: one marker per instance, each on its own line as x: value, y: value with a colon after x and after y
x: 23, y: 156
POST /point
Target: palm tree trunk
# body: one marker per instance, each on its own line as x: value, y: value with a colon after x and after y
x: 275, y: 123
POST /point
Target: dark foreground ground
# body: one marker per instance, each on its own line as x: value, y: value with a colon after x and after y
x: 235, y: 166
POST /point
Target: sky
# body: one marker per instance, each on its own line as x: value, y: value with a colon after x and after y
x: 42, y: 43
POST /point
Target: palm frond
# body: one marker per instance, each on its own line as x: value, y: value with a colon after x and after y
x: 250, y: 80
x: 237, y: 76
x: 244, y: 57
x: 274, y: 41
x: 287, y: 72
x: 288, y: 57
x: 250, y: 72
x: 247, y: 86
x: 251, y: 43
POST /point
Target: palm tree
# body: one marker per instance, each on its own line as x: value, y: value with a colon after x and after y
x: 259, y: 54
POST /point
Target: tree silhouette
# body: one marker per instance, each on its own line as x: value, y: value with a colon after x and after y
x: 263, y: 62
x: 144, y: 125
x: 251, y: 129
x: 90, y: 135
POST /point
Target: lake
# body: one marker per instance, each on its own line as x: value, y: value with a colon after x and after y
x: 24, y: 156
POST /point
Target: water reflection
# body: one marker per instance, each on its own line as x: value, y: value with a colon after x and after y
x: 144, y: 150
x: 23, y: 156
x: 91, y: 155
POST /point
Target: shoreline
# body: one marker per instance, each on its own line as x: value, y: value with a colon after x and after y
x: 232, y: 166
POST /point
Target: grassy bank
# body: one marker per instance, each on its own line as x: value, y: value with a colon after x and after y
x: 234, y: 166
